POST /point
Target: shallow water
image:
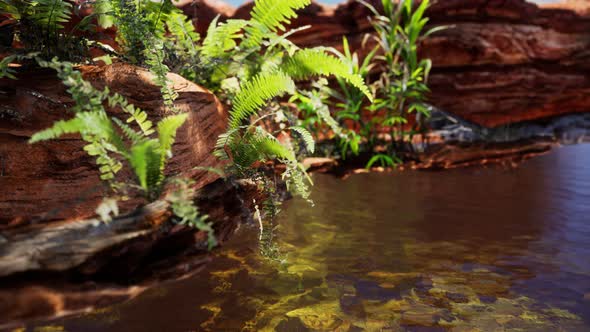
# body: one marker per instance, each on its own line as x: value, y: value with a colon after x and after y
x: 492, y: 249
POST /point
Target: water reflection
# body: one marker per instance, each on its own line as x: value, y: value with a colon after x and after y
x: 484, y: 248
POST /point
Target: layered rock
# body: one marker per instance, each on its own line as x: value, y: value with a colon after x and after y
x: 499, y: 61
x: 56, y: 180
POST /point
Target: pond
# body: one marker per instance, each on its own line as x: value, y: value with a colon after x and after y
x: 491, y: 248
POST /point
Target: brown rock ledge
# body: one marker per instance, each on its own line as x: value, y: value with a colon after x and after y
x: 500, y: 61
x: 56, y: 180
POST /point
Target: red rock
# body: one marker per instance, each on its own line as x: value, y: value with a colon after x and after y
x: 500, y: 62
x: 56, y: 180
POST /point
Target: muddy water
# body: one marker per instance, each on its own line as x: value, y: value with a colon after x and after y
x: 480, y: 249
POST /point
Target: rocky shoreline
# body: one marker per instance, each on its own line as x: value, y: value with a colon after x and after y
x: 510, y: 80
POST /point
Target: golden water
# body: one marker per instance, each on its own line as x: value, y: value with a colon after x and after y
x: 481, y: 249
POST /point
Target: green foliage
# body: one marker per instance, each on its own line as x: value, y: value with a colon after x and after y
x: 222, y: 38
x: 110, y: 140
x: 308, y: 63
x: 255, y: 93
x: 402, y: 86
x: 384, y: 160
x: 306, y: 137
x: 255, y: 66
x: 142, y: 28
x: 399, y: 90
x: 39, y: 25
x: 186, y: 212
x: 273, y: 14
x: 51, y: 14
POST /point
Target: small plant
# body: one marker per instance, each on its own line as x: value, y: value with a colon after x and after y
x: 114, y: 142
x: 186, y: 211
x: 111, y: 140
x: 269, y: 67
x: 401, y: 87
x: 39, y: 26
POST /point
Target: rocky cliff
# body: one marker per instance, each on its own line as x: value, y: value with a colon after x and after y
x: 499, y: 62
x: 57, y: 180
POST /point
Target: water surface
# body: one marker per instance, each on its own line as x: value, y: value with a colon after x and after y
x: 493, y: 249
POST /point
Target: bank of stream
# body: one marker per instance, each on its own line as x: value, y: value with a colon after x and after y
x: 489, y: 249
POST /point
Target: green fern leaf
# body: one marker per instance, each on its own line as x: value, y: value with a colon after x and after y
x: 182, y: 29
x: 274, y: 13
x: 131, y: 134
x: 308, y: 63
x: 59, y: 128
x: 141, y: 119
x: 256, y: 93
x: 167, y: 129
x: 307, y: 138
x: 51, y: 13
x: 145, y: 161
x: 221, y: 37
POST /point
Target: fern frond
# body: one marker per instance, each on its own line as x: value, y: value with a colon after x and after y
x: 256, y: 93
x: 221, y: 37
x: 154, y: 59
x: 99, y: 126
x: 306, y: 137
x: 308, y: 63
x: 145, y: 162
x: 274, y: 13
x: 140, y: 118
x: 108, y: 166
x: 51, y: 14
x: 131, y: 134
x: 269, y: 146
x: 59, y: 128
x: 223, y: 144
x: 167, y: 129
x: 182, y: 29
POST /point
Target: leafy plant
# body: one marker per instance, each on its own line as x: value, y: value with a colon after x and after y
x: 111, y: 140
x: 265, y: 66
x: 402, y: 85
x: 186, y: 211
x: 400, y: 89
x: 39, y: 25
x: 384, y: 160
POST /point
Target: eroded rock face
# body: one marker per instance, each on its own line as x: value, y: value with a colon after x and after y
x: 56, y: 180
x: 499, y: 62
x: 509, y: 61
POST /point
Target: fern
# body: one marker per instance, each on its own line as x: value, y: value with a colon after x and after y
x: 147, y: 156
x: 182, y: 30
x: 129, y: 133
x: 51, y: 14
x: 308, y: 63
x: 274, y: 13
x: 306, y: 137
x: 167, y: 129
x: 255, y: 94
x: 58, y: 129
x: 154, y: 59
x: 144, y: 159
x: 185, y: 209
x: 222, y: 37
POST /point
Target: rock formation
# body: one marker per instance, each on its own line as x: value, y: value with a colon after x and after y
x: 57, y: 180
x: 499, y: 61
